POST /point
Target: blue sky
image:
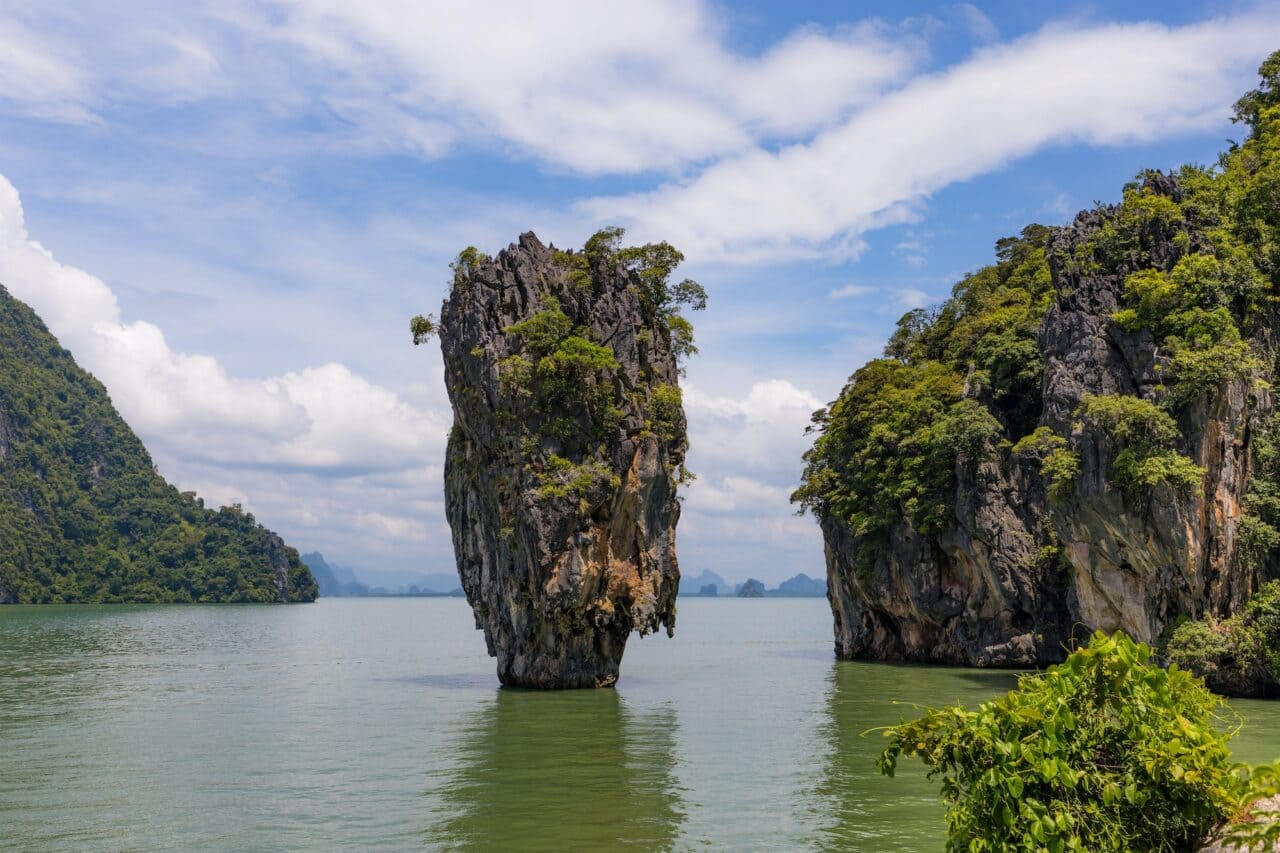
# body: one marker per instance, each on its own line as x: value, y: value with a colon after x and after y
x: 229, y: 210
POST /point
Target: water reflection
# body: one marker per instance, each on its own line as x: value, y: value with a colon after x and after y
x: 865, y: 810
x: 566, y: 770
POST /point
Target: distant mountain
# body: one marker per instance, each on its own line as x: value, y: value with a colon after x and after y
x: 85, y: 517
x: 696, y: 584
x: 800, y: 586
x: 752, y: 588
x: 442, y: 583
x: 334, y: 581
x: 342, y: 582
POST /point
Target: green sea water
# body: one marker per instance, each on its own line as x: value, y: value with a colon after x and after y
x: 378, y: 723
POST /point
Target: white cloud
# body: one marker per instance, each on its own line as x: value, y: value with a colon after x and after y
x: 598, y: 87
x: 1101, y: 85
x: 1061, y: 207
x: 609, y: 86
x: 759, y: 435
x: 750, y: 447
x: 735, y: 493
x: 37, y: 77
x: 976, y: 22
x: 910, y: 297
x: 398, y: 527
x: 850, y: 290
x: 323, y: 418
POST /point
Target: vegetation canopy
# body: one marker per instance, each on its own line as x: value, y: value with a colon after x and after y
x: 84, y: 516
x: 1198, y: 253
x: 1104, y: 752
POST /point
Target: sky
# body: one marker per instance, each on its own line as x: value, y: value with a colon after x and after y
x: 228, y: 210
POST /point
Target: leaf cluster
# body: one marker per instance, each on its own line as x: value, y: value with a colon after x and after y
x: 1106, y: 751
x: 1059, y: 464
x: 1145, y: 434
x: 652, y: 264
x: 1239, y: 655
x: 560, y: 370
x: 889, y: 446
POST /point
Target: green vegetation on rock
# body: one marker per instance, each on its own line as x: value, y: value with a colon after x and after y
x: 1058, y: 463
x: 1237, y: 656
x: 1145, y: 433
x: 1200, y: 255
x: 652, y: 264
x: 560, y: 386
x: 1104, y: 752
x: 955, y: 383
x: 83, y: 514
x: 559, y: 370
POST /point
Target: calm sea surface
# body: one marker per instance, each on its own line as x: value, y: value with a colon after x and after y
x: 360, y: 723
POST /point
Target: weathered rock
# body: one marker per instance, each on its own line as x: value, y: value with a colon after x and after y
x: 562, y: 502
x: 1014, y: 576
x: 1262, y: 812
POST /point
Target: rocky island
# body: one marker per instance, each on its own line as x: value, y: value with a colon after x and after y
x: 567, y: 449
x: 1082, y: 437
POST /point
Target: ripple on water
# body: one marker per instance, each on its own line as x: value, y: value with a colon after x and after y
x: 380, y: 723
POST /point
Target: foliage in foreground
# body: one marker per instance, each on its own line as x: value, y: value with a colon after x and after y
x: 1106, y: 751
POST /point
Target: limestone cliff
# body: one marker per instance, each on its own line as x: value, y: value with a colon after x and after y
x: 566, y: 451
x: 1079, y: 439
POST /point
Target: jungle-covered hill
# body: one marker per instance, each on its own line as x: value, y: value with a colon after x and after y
x: 85, y: 517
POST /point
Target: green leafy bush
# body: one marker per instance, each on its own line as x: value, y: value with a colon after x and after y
x: 667, y: 411
x: 559, y: 370
x: 652, y: 264
x: 1104, y: 752
x: 1259, y: 526
x: 889, y: 447
x: 561, y: 478
x: 465, y: 265
x: 422, y: 328
x: 1256, y: 827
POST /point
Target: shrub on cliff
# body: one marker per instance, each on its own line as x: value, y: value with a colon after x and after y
x: 1106, y: 751
x: 1239, y: 656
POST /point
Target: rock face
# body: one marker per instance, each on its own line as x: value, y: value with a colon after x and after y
x: 1009, y: 573
x: 563, y: 462
x: 1264, y: 813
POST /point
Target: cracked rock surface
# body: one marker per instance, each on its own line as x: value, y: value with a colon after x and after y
x: 561, y: 496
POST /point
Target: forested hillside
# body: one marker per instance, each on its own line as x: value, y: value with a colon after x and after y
x: 84, y: 516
